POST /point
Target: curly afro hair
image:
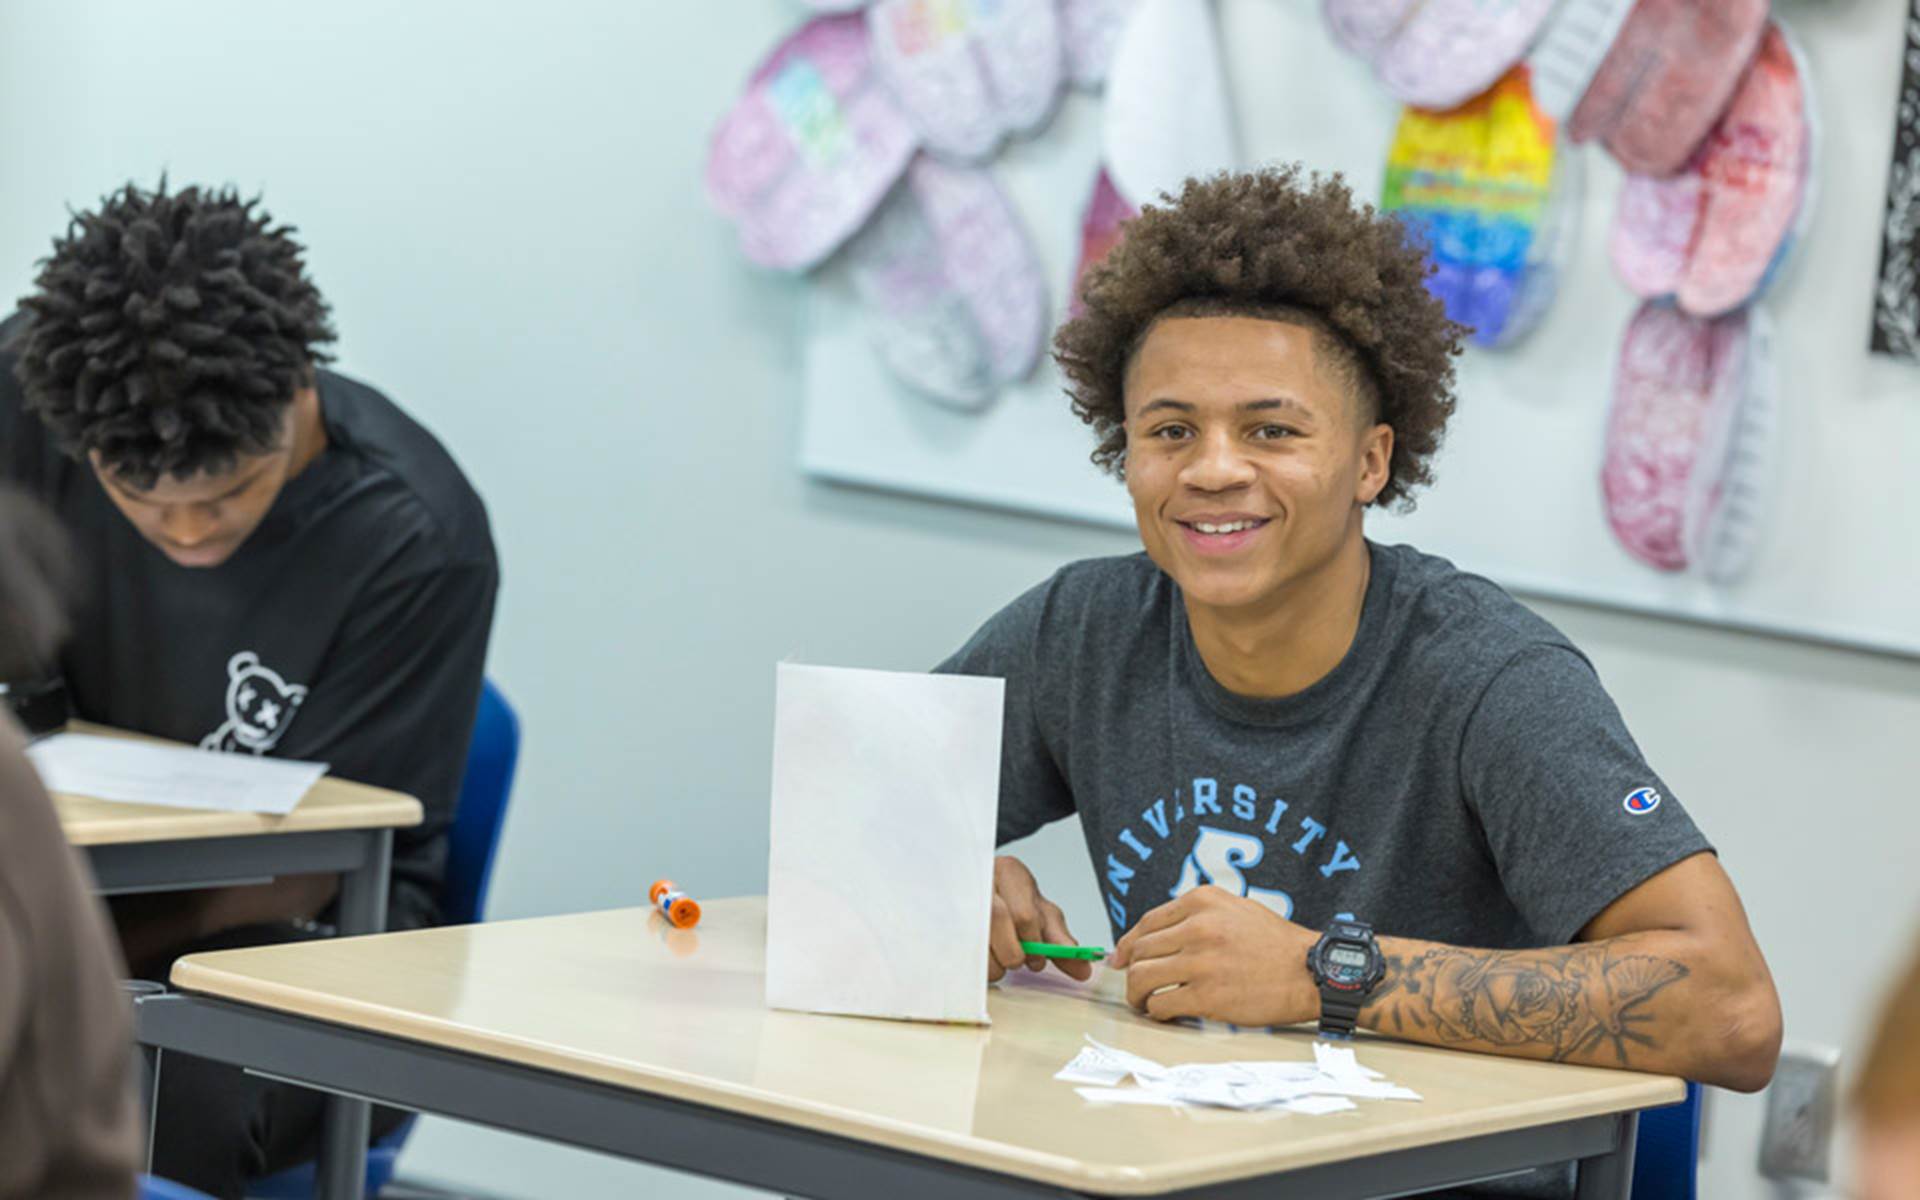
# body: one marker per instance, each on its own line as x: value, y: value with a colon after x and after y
x: 168, y: 333
x: 1291, y: 247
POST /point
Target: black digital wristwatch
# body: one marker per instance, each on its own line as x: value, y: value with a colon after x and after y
x: 1347, y: 965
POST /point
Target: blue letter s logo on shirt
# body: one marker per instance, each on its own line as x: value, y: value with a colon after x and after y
x: 1218, y: 855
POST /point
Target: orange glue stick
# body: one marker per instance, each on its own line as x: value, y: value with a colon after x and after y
x: 675, y: 905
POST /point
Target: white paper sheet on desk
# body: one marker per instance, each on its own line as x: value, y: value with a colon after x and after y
x: 138, y: 772
x: 880, y: 878
x: 1312, y: 1106
x: 1328, y: 1084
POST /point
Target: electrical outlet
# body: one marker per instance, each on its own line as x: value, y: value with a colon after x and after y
x: 1797, y: 1139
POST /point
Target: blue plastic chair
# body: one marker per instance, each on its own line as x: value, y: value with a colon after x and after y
x: 471, y: 844
x: 152, y: 1187
x: 1666, y: 1155
x: 483, y: 808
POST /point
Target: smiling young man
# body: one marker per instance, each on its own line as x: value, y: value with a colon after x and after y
x: 275, y: 560
x: 1322, y: 778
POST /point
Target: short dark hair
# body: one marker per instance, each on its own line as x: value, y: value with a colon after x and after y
x: 35, y: 586
x: 168, y: 331
x: 1291, y: 247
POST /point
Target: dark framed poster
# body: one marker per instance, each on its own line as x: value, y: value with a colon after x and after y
x: 1896, y: 293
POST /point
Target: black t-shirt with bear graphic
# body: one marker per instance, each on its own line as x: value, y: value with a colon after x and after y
x: 351, y: 628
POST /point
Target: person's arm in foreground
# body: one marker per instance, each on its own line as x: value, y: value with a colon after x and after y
x: 1668, y: 978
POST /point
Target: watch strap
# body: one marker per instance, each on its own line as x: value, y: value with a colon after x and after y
x: 1339, y: 1012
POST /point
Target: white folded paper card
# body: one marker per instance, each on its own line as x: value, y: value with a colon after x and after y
x: 880, y: 880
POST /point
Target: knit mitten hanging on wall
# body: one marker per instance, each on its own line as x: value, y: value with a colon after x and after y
x: 1896, y: 294
x: 810, y: 149
x: 951, y: 288
x: 970, y: 75
x: 1495, y: 197
x: 1089, y: 31
x: 1366, y: 26
x: 1446, y: 52
x: 1667, y: 78
x: 1690, y: 440
x: 1712, y: 235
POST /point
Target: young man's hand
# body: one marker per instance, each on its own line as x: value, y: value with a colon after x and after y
x: 1022, y: 914
x: 1222, y: 957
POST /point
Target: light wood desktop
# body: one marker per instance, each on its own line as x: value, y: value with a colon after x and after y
x: 332, y: 804
x: 619, y: 998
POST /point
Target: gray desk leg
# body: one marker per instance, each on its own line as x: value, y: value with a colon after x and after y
x: 1610, y: 1176
x: 363, y: 890
x: 146, y: 1066
x: 342, y: 1169
x: 150, y: 1064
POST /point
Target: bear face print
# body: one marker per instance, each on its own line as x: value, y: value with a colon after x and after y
x: 260, y: 706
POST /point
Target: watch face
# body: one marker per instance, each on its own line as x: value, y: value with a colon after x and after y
x: 1345, y: 964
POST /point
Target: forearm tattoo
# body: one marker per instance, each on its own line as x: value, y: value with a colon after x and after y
x: 1568, y: 1000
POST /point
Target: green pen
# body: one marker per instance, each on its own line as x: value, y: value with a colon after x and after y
x: 1051, y: 950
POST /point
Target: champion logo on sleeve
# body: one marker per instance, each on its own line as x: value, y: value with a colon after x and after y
x: 1641, y: 801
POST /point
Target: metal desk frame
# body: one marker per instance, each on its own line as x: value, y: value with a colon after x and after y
x: 770, y: 1154
x: 362, y: 857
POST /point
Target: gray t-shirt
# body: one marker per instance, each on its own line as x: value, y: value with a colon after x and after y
x: 1461, y: 776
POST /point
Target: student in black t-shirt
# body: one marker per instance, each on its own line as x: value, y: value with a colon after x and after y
x: 1272, y: 727
x: 276, y: 560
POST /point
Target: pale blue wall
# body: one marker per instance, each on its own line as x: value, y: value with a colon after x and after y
x: 503, y: 203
